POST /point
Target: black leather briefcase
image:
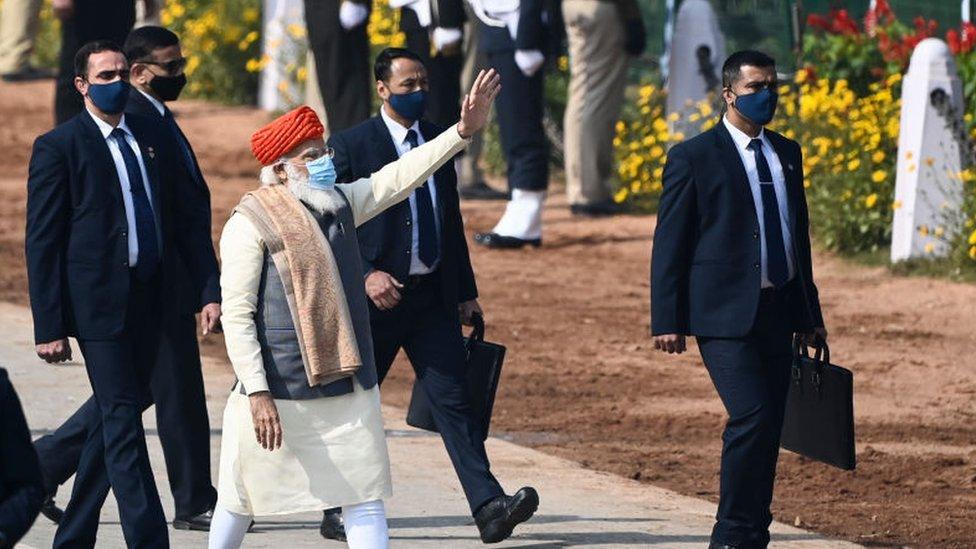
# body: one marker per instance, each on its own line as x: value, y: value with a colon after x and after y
x: 819, y: 421
x: 484, y: 361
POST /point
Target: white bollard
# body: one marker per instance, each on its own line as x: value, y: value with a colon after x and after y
x: 277, y: 89
x: 927, y: 188
x: 695, y: 62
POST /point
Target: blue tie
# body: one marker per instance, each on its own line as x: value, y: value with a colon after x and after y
x: 776, y: 267
x: 148, y: 258
x: 181, y: 142
x: 426, y: 227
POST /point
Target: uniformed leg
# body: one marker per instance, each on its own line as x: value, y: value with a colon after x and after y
x: 18, y: 25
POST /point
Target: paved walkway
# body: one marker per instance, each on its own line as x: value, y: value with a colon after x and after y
x: 580, y: 508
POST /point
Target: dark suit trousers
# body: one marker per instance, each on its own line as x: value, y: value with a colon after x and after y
x: 431, y: 336
x: 92, y: 20
x: 751, y: 375
x: 342, y: 64
x: 181, y: 417
x: 519, y: 109
x: 444, y: 77
x: 115, y: 453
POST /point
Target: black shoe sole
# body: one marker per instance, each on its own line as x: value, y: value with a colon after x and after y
x: 522, y: 512
x: 186, y: 525
x: 54, y: 515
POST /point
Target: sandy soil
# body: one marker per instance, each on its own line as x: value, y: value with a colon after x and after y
x: 582, y: 381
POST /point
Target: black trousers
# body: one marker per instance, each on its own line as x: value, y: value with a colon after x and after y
x: 430, y: 333
x: 177, y: 390
x: 444, y: 77
x: 115, y: 453
x: 341, y: 63
x: 519, y: 109
x: 92, y: 20
x: 752, y: 376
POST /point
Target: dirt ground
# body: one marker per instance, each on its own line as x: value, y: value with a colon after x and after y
x: 583, y: 382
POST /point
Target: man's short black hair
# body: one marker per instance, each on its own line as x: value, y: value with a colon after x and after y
x: 86, y: 51
x: 381, y: 67
x: 141, y: 42
x: 732, y: 68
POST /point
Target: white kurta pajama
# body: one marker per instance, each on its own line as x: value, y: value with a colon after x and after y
x: 333, y: 450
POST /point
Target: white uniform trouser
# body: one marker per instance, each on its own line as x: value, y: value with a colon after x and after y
x: 365, y: 527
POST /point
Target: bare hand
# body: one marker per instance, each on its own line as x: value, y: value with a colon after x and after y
x: 63, y: 9
x: 383, y: 289
x: 817, y: 335
x: 670, y: 343
x: 477, y: 103
x: 467, y: 310
x: 210, y: 319
x: 267, y: 424
x: 53, y: 352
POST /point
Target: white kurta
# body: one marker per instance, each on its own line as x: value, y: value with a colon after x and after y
x: 333, y: 451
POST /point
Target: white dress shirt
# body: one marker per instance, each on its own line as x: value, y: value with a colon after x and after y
x: 130, y: 212
x: 779, y: 184
x: 399, y: 135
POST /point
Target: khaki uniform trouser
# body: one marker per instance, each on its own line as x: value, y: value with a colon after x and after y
x: 598, y: 71
x: 18, y: 25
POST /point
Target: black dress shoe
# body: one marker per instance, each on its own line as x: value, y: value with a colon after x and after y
x: 495, y: 240
x: 497, y: 518
x: 199, y: 523
x: 481, y: 191
x: 598, y: 209
x: 51, y: 511
x: 716, y: 545
x: 28, y: 75
x: 332, y: 527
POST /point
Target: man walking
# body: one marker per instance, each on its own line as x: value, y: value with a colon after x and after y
x: 731, y: 265
x: 177, y: 381
x: 420, y: 282
x: 602, y: 37
x: 107, y: 209
x: 21, y: 488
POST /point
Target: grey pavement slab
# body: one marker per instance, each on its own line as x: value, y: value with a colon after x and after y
x: 580, y: 508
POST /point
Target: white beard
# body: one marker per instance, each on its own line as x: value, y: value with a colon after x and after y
x: 319, y: 200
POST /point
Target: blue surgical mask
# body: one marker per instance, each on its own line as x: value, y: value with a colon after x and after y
x: 321, y: 173
x: 759, y: 107
x: 410, y: 105
x: 110, y: 98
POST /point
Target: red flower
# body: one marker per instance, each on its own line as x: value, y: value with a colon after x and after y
x: 843, y: 24
x: 968, y: 37
x: 818, y: 21
x: 952, y: 37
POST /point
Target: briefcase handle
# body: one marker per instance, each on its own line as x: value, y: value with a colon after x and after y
x: 477, y: 332
x: 821, y: 357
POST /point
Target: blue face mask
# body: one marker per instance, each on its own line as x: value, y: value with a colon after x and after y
x: 110, y: 98
x: 410, y: 105
x: 759, y: 107
x: 321, y: 173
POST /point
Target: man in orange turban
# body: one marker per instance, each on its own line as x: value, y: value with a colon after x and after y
x: 302, y: 428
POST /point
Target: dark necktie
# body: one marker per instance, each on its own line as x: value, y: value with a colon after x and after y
x: 776, y: 267
x: 181, y: 143
x: 148, y: 258
x: 426, y: 227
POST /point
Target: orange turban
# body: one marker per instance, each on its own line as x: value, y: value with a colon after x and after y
x: 285, y: 133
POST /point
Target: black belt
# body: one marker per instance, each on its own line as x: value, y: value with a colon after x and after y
x: 769, y: 295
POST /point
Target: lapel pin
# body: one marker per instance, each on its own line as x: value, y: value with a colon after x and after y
x: 152, y: 153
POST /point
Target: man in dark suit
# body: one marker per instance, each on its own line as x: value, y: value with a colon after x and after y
x: 340, y: 48
x: 107, y: 209
x: 732, y: 266
x: 516, y: 44
x: 84, y: 21
x: 421, y: 285
x: 21, y: 488
x: 177, y: 387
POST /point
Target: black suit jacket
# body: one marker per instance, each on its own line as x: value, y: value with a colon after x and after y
x: 540, y: 27
x: 187, y: 294
x: 77, y: 243
x: 21, y: 484
x: 385, y: 241
x: 705, y: 266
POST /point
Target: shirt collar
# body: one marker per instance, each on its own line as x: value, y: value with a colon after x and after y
x: 155, y: 102
x: 398, y: 132
x: 739, y: 137
x: 107, y: 128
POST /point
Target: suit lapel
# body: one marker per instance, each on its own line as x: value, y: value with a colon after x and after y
x: 103, y: 162
x: 734, y: 168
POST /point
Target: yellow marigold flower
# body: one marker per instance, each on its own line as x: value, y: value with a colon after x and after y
x: 620, y: 126
x: 250, y: 15
x: 923, y: 230
x: 972, y: 238
x: 871, y: 200
x: 878, y: 156
x: 657, y: 173
x: 656, y: 152
x: 911, y: 168
x: 909, y: 155
x: 620, y: 195
x: 853, y: 165
x: 296, y: 31
x: 939, y: 231
x: 972, y: 253
x: 929, y: 248
x: 878, y: 176
x: 896, y: 205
